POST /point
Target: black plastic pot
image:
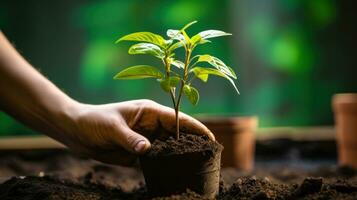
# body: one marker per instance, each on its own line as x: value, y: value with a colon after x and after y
x: 174, y: 174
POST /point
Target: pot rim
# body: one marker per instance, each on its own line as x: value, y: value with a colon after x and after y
x: 344, y: 98
x: 219, y: 150
x: 344, y: 103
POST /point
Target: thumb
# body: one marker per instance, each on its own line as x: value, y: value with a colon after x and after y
x: 133, y: 141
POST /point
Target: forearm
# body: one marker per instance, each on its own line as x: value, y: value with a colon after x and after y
x: 29, y: 96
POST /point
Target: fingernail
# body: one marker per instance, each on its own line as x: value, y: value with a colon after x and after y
x: 140, y: 146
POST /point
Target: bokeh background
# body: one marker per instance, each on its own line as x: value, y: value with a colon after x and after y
x: 291, y: 56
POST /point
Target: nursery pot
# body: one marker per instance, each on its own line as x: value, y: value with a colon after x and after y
x: 237, y: 135
x: 345, y: 109
x: 174, y: 174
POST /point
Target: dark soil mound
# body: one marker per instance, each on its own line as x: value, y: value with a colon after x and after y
x: 69, y: 177
x: 49, y: 188
x: 257, y: 188
x: 189, y: 195
x: 186, y: 143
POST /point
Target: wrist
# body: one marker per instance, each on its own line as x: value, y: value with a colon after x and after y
x: 64, y: 119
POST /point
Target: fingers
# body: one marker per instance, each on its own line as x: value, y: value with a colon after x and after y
x: 132, y: 141
x: 187, y: 124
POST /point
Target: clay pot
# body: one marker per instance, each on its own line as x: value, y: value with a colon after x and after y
x: 345, y: 109
x: 174, y: 174
x: 237, y: 135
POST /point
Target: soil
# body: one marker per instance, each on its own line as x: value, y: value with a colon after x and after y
x: 246, y: 187
x: 58, y: 174
x: 186, y: 143
x: 173, y: 165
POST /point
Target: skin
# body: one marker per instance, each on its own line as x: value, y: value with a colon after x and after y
x: 113, y: 133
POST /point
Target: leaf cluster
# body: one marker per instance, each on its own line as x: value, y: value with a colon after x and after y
x: 176, y: 73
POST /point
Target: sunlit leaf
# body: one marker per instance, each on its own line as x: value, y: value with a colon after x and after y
x: 202, y: 37
x: 232, y: 71
x: 212, y: 34
x: 147, y: 48
x: 187, y: 38
x: 218, y: 64
x: 175, y: 35
x: 188, y: 25
x: 144, y: 37
x: 232, y: 82
x: 203, y: 73
x: 176, y: 45
x: 192, y: 94
x: 177, y: 63
x: 180, y: 35
x: 168, y: 83
x: 139, y: 72
x: 197, y: 39
x: 168, y: 42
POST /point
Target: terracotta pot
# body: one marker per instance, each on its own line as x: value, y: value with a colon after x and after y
x: 237, y: 135
x: 174, y: 174
x: 345, y: 108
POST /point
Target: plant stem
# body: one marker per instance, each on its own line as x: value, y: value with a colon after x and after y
x: 172, y: 95
x: 183, y: 82
x: 177, y: 109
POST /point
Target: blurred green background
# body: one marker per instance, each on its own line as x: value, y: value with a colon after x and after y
x: 291, y: 56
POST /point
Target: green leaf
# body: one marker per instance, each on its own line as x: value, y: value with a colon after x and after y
x: 198, y: 40
x: 218, y: 64
x: 180, y: 35
x: 144, y: 37
x: 175, y: 35
x: 232, y: 71
x: 202, y: 37
x: 168, y: 42
x: 202, y: 73
x: 192, y: 94
x: 188, y: 25
x: 232, y: 82
x: 139, y: 72
x: 147, y: 48
x: 187, y: 38
x: 176, y: 45
x: 185, y: 35
x: 212, y: 34
x: 168, y: 83
x: 177, y: 64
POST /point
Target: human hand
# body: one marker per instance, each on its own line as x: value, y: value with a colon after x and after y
x: 109, y: 133
x: 116, y: 133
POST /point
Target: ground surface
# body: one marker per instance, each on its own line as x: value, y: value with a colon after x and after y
x: 60, y: 175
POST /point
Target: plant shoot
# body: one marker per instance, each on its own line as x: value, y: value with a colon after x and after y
x: 176, y: 76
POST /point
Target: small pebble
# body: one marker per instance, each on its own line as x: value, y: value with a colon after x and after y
x: 41, y: 174
x: 239, y: 181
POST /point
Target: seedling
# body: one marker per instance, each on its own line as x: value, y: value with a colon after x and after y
x: 186, y: 71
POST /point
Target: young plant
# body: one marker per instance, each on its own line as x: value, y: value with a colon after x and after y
x: 185, y: 71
